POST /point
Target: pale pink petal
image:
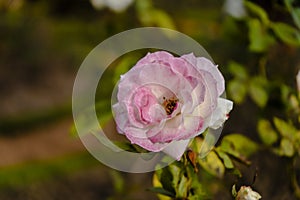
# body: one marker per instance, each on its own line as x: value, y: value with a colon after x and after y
x: 170, y: 131
x: 179, y: 128
x: 206, y: 65
x: 220, y: 114
x: 143, y: 141
x: 121, y: 116
x: 154, y: 113
x: 176, y: 148
x: 161, y: 57
x: 191, y: 126
x: 193, y: 99
x: 134, y: 132
x: 205, y: 108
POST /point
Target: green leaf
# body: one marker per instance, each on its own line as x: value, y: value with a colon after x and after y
x: 258, y: 11
x: 162, y: 19
x: 238, y: 70
x: 287, y: 33
x: 166, y: 179
x: 176, y: 173
x: 162, y: 194
x: 123, y: 66
x: 183, y: 187
x: 162, y: 191
x: 237, y: 90
x: 238, y: 146
x: 212, y: 164
x: 286, y: 148
x: 285, y: 129
x: 151, y: 16
x: 296, y: 16
x: 236, y: 172
x: 259, y: 39
x: 295, y: 12
x: 258, y: 92
x: 126, y: 146
x: 266, y: 132
x: 226, y: 159
x: 118, y: 181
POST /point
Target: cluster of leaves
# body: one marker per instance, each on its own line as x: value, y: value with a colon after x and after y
x: 280, y: 135
x: 181, y: 179
x: 263, y: 33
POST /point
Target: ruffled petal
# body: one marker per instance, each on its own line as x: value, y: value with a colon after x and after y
x: 206, y: 65
x: 176, y: 148
x: 220, y: 114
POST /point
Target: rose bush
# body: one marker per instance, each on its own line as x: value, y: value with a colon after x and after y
x: 164, y: 101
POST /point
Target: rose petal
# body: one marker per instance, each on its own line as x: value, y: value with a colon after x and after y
x: 220, y: 114
x: 210, y: 99
x: 143, y: 141
x: 206, y: 65
x: 176, y: 148
x: 121, y: 117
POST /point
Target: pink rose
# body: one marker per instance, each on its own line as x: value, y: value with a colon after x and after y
x: 164, y: 101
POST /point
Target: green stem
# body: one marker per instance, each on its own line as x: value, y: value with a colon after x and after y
x: 295, y: 183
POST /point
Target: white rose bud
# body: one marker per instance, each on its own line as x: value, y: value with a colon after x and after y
x: 246, y: 193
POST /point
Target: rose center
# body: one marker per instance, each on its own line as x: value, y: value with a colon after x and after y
x: 170, y: 105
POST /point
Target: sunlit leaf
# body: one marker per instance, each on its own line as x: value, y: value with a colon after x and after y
x: 197, y: 187
x: 288, y: 4
x: 176, y: 173
x: 162, y: 19
x: 226, y: 159
x: 237, y: 172
x: 296, y: 16
x: 258, y: 92
x: 238, y: 70
x: 212, y: 164
x: 287, y: 33
x: 151, y: 16
x: 266, y: 132
x: 123, y: 66
x: 238, y: 146
x: 285, y: 129
x: 295, y: 12
x: 258, y: 11
x: 162, y: 194
x: 183, y: 187
x: 166, y: 194
x: 286, y: 148
x: 260, y: 40
x: 237, y: 90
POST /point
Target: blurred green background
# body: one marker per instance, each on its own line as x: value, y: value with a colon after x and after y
x: 42, y: 45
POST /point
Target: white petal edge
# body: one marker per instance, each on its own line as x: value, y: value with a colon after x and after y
x: 176, y: 148
x: 220, y: 114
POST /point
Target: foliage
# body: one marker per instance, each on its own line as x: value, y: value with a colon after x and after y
x: 253, y: 76
x: 258, y: 53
